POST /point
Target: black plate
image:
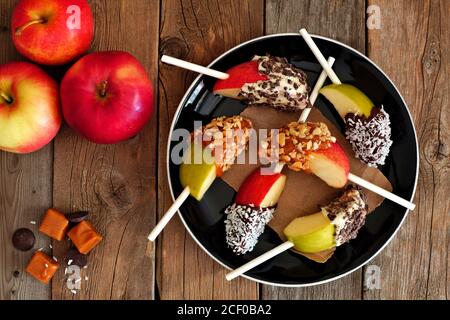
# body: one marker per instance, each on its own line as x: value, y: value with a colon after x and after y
x: 204, y: 219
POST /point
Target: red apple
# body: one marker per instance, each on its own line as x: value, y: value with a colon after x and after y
x: 239, y: 75
x: 107, y: 97
x: 29, y: 108
x: 261, y: 190
x: 52, y: 32
x: 331, y: 165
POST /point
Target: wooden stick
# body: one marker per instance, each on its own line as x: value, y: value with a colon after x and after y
x: 323, y: 62
x: 169, y: 214
x: 257, y: 261
x: 194, y: 67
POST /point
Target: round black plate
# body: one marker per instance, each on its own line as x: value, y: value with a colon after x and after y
x: 205, y: 220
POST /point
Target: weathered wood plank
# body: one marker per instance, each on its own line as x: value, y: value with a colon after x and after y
x: 197, y: 31
x: 116, y: 183
x: 25, y: 193
x: 414, y: 35
x: 343, y: 21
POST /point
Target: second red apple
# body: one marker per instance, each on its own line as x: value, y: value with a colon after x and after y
x: 107, y: 97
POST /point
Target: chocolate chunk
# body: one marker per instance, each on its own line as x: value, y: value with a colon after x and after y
x: 76, y: 217
x: 23, y: 239
x: 74, y: 258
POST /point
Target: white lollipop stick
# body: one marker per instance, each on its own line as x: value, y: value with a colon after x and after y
x: 315, y: 93
x: 323, y: 62
x: 194, y: 67
x: 380, y: 191
x: 169, y: 214
x: 257, y: 261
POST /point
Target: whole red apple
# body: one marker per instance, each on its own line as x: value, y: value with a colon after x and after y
x: 30, y: 116
x: 52, y: 32
x: 107, y: 97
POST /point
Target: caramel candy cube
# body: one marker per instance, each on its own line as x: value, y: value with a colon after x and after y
x: 42, y: 267
x: 84, y: 237
x: 54, y: 224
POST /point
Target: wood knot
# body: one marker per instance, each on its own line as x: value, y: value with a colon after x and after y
x: 174, y: 47
x: 436, y: 151
x: 431, y: 59
x: 119, y: 195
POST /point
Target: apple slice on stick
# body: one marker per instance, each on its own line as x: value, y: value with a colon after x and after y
x: 197, y: 175
x: 368, y: 127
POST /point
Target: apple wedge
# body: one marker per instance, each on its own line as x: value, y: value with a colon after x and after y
x: 239, y: 75
x: 311, y: 234
x: 261, y: 190
x: 347, y: 99
x: 197, y: 176
x: 331, y: 165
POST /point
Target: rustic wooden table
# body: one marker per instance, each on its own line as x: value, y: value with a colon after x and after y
x: 124, y: 186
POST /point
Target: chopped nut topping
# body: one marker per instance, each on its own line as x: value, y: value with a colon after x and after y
x: 227, y: 137
x: 297, y: 140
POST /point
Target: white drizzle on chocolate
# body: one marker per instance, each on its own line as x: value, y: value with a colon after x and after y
x: 347, y: 213
x: 370, y: 137
x: 243, y: 226
x: 285, y: 89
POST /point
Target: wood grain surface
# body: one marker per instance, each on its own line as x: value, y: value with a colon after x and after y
x: 413, y: 48
x: 125, y: 186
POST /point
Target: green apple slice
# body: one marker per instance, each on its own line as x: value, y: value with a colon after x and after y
x: 347, y: 99
x: 197, y: 176
x: 311, y: 234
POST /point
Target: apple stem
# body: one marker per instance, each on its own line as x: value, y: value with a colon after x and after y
x: 19, y: 30
x: 102, y: 88
x: 5, y: 97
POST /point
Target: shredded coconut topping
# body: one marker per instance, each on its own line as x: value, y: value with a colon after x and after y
x: 244, y: 225
x: 370, y: 137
